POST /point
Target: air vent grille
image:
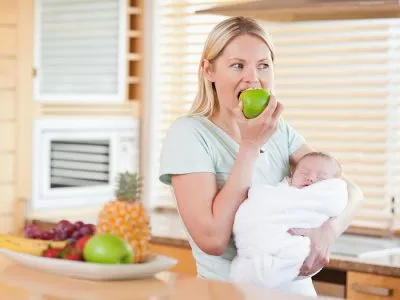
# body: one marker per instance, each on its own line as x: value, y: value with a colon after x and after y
x: 77, y: 163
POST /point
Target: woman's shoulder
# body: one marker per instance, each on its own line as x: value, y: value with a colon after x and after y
x: 189, y: 130
x: 187, y: 122
x: 189, y: 127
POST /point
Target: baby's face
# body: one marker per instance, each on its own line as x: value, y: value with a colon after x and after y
x: 313, y: 169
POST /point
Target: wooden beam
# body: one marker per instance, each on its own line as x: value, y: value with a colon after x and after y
x: 304, y: 10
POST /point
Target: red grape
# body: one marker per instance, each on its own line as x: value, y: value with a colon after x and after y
x: 78, y: 224
x: 46, y: 235
x: 92, y: 228
x: 85, y: 230
x: 36, y: 234
x: 31, y: 231
x: 69, y: 229
x: 76, y: 235
x: 62, y: 224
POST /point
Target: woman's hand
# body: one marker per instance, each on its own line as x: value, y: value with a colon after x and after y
x: 258, y: 130
x: 322, y: 239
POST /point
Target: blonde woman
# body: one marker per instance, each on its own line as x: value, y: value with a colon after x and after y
x: 211, y: 156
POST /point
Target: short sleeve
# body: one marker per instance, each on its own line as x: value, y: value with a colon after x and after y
x: 184, y: 150
x: 294, y: 138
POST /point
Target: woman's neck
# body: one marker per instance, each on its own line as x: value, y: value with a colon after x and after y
x: 226, y: 121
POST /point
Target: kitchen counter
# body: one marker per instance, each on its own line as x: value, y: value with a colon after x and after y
x: 344, y: 255
x: 17, y: 282
x: 167, y: 229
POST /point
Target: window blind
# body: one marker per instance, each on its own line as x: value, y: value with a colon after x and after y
x: 394, y: 121
x: 338, y: 81
x: 79, y: 50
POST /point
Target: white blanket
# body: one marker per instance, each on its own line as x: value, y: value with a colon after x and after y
x: 266, y: 254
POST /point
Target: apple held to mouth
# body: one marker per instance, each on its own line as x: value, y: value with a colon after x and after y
x: 107, y: 249
x: 254, y: 102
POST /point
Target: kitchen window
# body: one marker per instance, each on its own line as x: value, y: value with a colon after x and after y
x: 80, y: 51
x: 339, y: 82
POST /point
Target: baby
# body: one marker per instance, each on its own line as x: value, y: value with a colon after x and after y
x: 267, y: 254
x: 314, y: 167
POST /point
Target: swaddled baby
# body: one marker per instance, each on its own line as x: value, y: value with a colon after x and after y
x: 267, y: 254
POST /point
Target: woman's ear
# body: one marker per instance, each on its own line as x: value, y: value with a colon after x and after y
x: 207, y: 69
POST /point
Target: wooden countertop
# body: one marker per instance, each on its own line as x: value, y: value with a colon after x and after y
x: 20, y: 283
x: 167, y: 229
x: 388, y: 266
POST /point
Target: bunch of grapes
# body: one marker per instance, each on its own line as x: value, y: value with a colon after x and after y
x: 64, y: 230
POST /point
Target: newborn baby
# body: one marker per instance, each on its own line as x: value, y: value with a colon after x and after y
x: 267, y: 254
x: 314, y: 167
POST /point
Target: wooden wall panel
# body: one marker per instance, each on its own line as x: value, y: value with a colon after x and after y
x: 7, y: 168
x: 8, y: 45
x: 8, y: 11
x: 7, y: 104
x: 7, y: 198
x: 6, y: 223
x: 7, y: 73
x: 8, y: 136
x: 26, y: 109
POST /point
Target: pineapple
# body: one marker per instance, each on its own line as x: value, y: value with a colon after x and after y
x: 127, y: 218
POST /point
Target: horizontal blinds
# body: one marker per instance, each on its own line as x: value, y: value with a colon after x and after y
x: 335, y: 80
x: 181, y: 36
x: 394, y: 124
x: 338, y: 80
x: 78, y: 48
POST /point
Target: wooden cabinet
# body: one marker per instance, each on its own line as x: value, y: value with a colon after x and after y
x: 372, y: 287
x: 186, y: 263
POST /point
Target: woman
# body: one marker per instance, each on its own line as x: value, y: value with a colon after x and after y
x: 213, y: 155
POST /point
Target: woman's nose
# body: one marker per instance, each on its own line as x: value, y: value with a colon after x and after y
x: 251, y: 75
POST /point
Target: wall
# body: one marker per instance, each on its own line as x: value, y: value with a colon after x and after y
x: 8, y: 109
x: 18, y: 108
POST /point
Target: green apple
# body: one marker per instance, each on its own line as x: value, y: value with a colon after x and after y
x: 107, y: 248
x: 254, y: 102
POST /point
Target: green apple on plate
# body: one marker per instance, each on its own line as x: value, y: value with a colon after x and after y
x: 254, y: 102
x: 107, y: 248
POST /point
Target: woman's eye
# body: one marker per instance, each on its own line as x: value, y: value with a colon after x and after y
x: 263, y: 66
x: 237, y: 66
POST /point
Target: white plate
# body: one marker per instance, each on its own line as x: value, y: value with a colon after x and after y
x: 92, y: 271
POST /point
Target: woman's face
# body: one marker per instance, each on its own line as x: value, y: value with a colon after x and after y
x: 245, y: 62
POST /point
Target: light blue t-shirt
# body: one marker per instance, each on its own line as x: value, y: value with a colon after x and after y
x: 195, y: 144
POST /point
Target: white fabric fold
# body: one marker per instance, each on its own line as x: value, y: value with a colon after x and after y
x: 266, y: 254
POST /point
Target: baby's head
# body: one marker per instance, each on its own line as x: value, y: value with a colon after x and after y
x: 314, y: 167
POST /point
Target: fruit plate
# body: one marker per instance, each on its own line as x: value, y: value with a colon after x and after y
x: 92, y: 271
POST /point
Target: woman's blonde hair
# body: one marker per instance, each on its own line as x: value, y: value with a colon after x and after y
x: 206, y: 101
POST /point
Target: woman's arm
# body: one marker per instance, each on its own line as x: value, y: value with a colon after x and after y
x: 323, y: 237
x: 341, y: 222
x: 207, y: 213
